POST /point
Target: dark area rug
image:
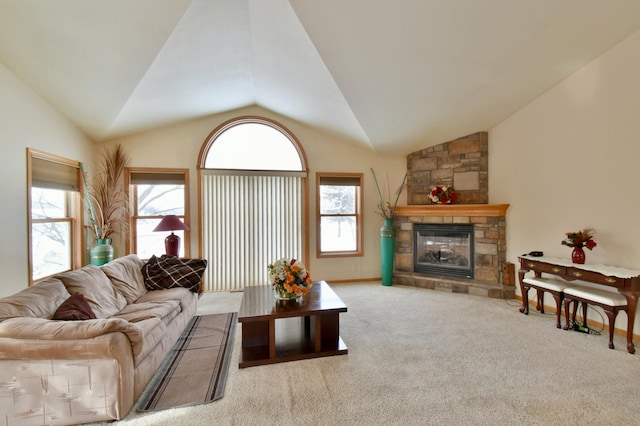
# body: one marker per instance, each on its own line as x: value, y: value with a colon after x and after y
x: 195, y: 371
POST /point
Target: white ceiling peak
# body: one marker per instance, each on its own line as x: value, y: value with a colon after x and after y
x: 395, y: 77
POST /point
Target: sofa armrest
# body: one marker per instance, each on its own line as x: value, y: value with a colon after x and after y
x: 94, y: 367
x: 44, y: 329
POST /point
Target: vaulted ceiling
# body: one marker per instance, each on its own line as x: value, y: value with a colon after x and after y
x: 395, y: 76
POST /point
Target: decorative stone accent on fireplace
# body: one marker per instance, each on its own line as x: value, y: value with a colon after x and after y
x: 489, y: 251
x: 463, y: 163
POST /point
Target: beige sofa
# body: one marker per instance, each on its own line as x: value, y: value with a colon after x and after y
x: 69, y: 372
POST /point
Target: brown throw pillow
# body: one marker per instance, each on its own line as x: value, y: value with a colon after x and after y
x: 74, y: 308
x: 171, y: 271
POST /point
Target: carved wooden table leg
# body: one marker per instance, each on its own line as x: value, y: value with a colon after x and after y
x: 558, y: 299
x: 567, y: 302
x: 540, y: 304
x: 632, y: 302
x: 525, y: 292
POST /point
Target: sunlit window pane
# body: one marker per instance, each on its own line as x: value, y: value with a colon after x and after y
x: 160, y: 200
x: 51, y: 248
x: 253, y: 146
x: 337, y: 199
x: 48, y: 203
x: 152, y: 201
x: 340, y: 206
x: 151, y: 243
x: 338, y: 234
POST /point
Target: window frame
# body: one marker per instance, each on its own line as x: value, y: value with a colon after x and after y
x: 73, y: 212
x: 359, y: 251
x: 131, y: 243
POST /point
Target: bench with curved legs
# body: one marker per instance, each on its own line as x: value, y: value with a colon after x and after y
x: 610, y: 302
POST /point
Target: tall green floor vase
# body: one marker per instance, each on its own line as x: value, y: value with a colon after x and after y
x: 387, y: 250
x: 101, y: 252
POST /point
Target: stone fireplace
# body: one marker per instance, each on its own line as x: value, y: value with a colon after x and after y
x: 462, y: 163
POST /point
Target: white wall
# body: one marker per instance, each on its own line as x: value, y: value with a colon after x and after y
x: 565, y: 161
x: 26, y: 121
x: 569, y: 159
x: 179, y: 146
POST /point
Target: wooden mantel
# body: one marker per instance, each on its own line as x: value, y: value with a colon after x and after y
x: 453, y: 210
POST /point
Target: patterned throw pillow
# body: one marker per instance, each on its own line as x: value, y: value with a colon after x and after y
x: 171, y: 271
x: 74, y: 308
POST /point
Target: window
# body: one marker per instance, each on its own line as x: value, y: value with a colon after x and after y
x: 339, y: 214
x: 54, y: 215
x: 155, y: 193
x: 253, y: 186
x: 253, y: 145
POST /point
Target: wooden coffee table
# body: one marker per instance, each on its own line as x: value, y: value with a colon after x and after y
x: 278, y: 331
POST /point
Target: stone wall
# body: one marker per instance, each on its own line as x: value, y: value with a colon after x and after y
x: 463, y: 163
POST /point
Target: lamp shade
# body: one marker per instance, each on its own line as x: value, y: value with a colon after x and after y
x: 171, y: 222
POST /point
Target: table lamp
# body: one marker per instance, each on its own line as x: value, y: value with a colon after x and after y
x: 171, y: 223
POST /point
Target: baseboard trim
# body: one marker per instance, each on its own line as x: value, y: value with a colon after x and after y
x: 355, y: 280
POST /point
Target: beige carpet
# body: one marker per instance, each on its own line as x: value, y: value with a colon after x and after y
x: 424, y: 357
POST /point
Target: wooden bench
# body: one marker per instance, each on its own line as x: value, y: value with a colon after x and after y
x: 610, y: 302
x: 551, y: 285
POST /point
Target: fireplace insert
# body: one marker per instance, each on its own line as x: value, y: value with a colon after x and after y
x: 444, y: 249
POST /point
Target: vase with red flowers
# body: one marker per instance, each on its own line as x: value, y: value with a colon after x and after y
x: 443, y: 194
x: 578, y: 240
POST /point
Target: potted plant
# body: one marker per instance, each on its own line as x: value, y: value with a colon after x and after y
x: 578, y: 240
x: 107, y: 201
x: 443, y: 194
x: 387, y: 231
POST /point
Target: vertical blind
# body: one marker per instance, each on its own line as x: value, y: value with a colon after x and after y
x: 249, y: 222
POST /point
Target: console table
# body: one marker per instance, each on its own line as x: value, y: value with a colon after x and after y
x: 626, y: 281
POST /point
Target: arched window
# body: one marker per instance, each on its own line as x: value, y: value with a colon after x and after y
x: 253, y: 181
x: 253, y: 146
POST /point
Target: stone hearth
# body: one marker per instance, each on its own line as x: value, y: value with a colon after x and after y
x: 489, y: 222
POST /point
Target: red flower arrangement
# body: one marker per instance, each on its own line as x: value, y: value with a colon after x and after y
x: 443, y: 194
x: 582, y: 238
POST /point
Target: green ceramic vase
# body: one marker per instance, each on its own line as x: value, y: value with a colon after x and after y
x: 387, y: 250
x: 102, y: 252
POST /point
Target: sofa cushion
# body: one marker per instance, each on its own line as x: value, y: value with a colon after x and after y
x: 126, y: 276
x: 102, y: 296
x: 171, y: 271
x: 183, y: 296
x: 137, y: 312
x: 74, y: 308
x: 154, y: 332
x: 38, y: 301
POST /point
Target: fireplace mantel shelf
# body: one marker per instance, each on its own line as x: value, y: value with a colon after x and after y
x: 453, y: 210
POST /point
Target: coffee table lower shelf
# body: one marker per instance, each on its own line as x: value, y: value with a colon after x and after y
x: 259, y: 355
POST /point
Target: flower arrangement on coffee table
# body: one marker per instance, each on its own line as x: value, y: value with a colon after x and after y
x: 443, y: 194
x: 289, y: 279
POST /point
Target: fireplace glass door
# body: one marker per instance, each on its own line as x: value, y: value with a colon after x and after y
x: 444, y: 249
